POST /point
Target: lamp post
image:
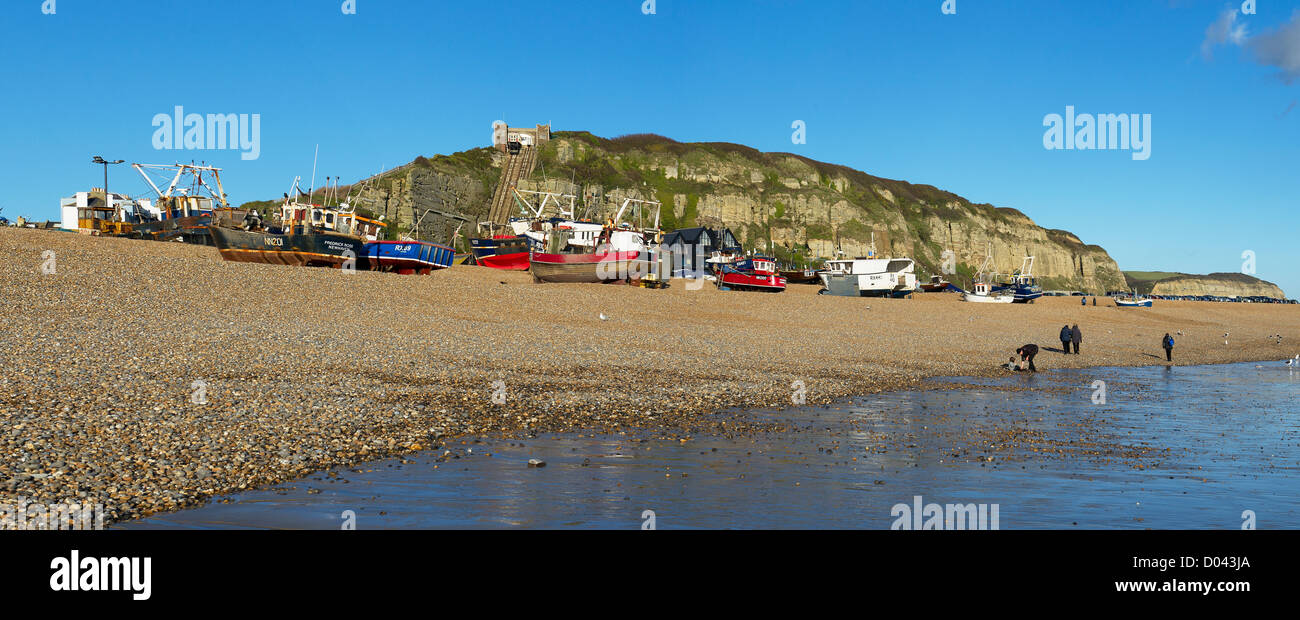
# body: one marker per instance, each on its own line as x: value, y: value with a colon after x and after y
x: 108, y: 200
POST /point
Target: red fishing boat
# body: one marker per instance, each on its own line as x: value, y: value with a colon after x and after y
x: 620, y: 253
x: 599, y: 266
x: 756, y: 273
x: 502, y: 252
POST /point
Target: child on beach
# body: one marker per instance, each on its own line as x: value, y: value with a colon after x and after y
x: 1027, y: 354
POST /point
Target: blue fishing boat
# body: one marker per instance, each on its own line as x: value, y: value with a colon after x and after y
x: 405, y: 257
x: 1022, y: 284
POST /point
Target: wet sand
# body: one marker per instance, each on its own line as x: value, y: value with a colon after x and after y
x: 302, y: 370
x: 1167, y: 450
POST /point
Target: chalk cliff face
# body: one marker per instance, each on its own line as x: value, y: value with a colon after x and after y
x: 1218, y: 284
x: 807, y: 208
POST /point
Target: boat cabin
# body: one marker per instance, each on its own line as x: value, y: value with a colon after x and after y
x: 331, y: 219
x: 869, y: 265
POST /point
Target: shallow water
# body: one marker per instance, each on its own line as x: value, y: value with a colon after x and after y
x: 1183, y: 447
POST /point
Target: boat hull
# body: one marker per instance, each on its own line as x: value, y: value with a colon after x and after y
x: 1023, y: 294
x: 405, y: 257
x: 754, y: 282
x: 867, y: 285
x: 317, y: 249
x: 597, y: 267
x: 508, y: 253
x: 511, y: 262
x: 988, y: 299
x: 1146, y: 303
x: 801, y: 277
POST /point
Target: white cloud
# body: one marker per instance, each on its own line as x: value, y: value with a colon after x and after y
x: 1223, y: 30
x: 1280, y: 48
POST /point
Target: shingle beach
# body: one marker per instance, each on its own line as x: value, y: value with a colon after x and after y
x: 153, y: 376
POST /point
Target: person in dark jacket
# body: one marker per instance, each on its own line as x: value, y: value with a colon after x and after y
x: 1168, y: 344
x: 1065, y: 339
x: 1027, y: 354
x: 1076, y: 337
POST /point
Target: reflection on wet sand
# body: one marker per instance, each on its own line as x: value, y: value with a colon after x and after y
x: 1187, y: 447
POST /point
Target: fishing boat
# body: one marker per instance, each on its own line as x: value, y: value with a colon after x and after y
x: 621, y: 252
x: 938, y: 285
x: 507, y: 246
x: 801, y: 276
x: 983, y: 292
x: 500, y: 251
x: 1022, y: 284
x: 869, y: 276
x: 307, y: 236
x: 755, y: 273
x: 1133, y: 301
x: 406, y: 256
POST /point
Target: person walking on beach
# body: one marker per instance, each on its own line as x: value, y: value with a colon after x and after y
x: 1168, y: 344
x: 1076, y: 337
x: 1066, y: 334
x: 1027, y: 354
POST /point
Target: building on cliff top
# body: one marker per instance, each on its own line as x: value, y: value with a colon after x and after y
x: 504, y: 135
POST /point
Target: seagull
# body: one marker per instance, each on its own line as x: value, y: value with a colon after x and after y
x: 603, y: 317
x: 1294, y: 361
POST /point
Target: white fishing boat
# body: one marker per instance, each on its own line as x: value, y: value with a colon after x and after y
x: 985, y: 290
x: 1132, y: 302
x: 984, y: 293
x: 869, y: 276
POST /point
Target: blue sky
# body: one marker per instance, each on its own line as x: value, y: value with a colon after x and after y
x: 892, y: 87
